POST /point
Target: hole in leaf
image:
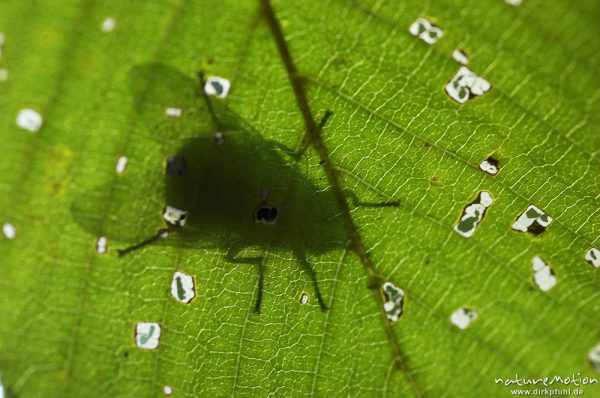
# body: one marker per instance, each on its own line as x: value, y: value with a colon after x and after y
x: 426, y: 30
x: 490, y: 166
x: 532, y: 220
x: 147, y: 335
x: 101, y: 245
x: 266, y: 214
x: 9, y: 231
x: 473, y: 214
x: 592, y: 256
x: 394, y: 301
x: 460, y: 56
x: 121, y: 164
x: 462, y: 317
x: 183, y: 287
x: 304, y: 298
x: 543, y: 276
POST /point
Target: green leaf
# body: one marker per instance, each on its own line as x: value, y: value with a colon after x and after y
x: 408, y: 124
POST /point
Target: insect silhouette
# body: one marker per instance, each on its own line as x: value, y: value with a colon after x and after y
x: 225, y: 186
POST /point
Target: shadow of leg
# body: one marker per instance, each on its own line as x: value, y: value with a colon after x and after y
x: 259, y: 262
x: 161, y: 233
x: 306, y: 267
x: 359, y: 203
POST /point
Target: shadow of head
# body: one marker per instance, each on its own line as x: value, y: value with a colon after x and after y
x: 226, y: 187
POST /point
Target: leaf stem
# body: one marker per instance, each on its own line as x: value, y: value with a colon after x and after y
x: 313, y: 135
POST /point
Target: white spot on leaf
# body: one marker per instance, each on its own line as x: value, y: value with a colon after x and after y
x: 304, y: 297
x: 394, y: 301
x: 147, y: 335
x: 515, y: 3
x: 532, y: 220
x: 182, y: 287
x: 473, y: 214
x: 174, y: 216
x: 101, y: 245
x: 425, y: 30
x: 542, y: 274
x: 462, y: 317
x: 466, y: 85
x: 167, y: 390
x: 29, y: 120
x: 108, y: 25
x: 121, y: 164
x: 3, y: 75
x: 173, y: 112
x: 217, y: 86
x: 219, y: 138
x: 460, y: 56
x: 489, y: 167
x: 9, y: 231
x: 593, y: 257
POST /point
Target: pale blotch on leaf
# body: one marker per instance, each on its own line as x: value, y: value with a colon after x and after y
x: 473, y: 214
x: 147, y: 335
x: 121, y: 165
x: 29, y: 120
x: 108, y: 25
x: 217, y: 86
x: 425, y: 30
x: 167, y: 390
x: 9, y: 231
x: 462, y: 317
x: 466, y: 85
x: 490, y: 166
x: 174, y: 216
x: 173, y: 112
x: 304, y: 297
x: 394, y: 301
x: 101, y: 245
x: 532, y: 220
x: 460, y: 56
x: 543, y: 276
x: 1, y: 390
x: 592, y: 256
x: 219, y: 138
x: 514, y: 3
x: 182, y: 287
x: 594, y: 357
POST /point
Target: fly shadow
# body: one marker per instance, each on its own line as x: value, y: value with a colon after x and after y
x: 225, y: 186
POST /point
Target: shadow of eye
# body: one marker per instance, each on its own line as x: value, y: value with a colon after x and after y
x: 266, y: 214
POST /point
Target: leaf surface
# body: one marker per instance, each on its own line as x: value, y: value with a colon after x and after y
x: 68, y: 314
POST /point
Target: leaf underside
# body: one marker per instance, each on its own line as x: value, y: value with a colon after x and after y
x: 68, y: 314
